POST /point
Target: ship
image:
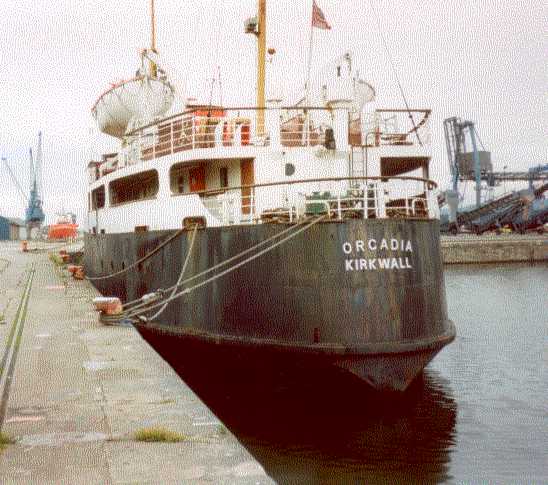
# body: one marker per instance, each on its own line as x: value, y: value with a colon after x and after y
x: 281, y: 239
x: 65, y: 228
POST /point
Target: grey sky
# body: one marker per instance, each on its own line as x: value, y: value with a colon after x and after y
x: 483, y: 60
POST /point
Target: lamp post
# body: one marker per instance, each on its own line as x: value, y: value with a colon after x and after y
x: 504, y: 178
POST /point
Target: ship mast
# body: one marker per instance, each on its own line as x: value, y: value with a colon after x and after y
x: 261, y: 66
x: 153, y: 67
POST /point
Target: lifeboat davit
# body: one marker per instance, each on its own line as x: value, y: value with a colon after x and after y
x: 62, y: 230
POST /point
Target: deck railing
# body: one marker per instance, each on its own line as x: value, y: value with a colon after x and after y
x: 285, y: 127
x: 337, y: 198
x: 233, y: 127
x: 397, y: 127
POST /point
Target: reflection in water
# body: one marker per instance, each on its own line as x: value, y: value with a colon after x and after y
x: 340, y: 431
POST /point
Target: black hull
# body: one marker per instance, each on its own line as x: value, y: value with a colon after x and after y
x: 316, y: 303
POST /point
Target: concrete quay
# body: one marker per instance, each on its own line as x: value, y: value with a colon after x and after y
x: 78, y: 391
x: 493, y: 248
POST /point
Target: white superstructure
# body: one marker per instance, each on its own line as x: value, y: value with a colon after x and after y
x: 330, y: 150
x: 199, y: 164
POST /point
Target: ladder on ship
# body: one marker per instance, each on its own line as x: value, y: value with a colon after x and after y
x: 357, y: 164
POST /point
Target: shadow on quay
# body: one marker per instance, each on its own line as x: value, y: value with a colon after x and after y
x: 333, y: 429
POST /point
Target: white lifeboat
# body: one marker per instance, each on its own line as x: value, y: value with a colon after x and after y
x: 142, y: 98
x: 136, y: 101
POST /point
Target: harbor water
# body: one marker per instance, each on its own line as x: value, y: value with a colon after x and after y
x: 477, y: 415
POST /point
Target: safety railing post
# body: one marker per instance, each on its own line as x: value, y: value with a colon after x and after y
x: 365, y: 202
x: 252, y: 204
x: 432, y: 204
x: 381, y: 201
x: 193, y: 126
x: 307, y: 128
x: 413, y: 209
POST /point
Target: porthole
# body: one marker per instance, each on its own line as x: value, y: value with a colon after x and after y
x: 289, y: 169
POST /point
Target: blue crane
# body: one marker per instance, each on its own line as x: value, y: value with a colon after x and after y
x: 456, y: 132
x: 34, y: 215
x: 519, y: 209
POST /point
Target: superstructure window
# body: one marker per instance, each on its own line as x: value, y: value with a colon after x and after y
x: 141, y: 186
x: 98, y: 198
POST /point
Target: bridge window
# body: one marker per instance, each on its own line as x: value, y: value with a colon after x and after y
x: 136, y: 187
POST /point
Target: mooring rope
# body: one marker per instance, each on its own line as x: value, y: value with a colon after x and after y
x: 131, y: 303
x: 226, y: 271
x: 148, y: 255
x: 175, y: 286
x: 141, y: 305
x: 187, y: 259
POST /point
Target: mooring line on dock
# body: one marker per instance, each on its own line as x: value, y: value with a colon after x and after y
x: 7, y: 365
x: 174, y: 296
x: 138, y: 305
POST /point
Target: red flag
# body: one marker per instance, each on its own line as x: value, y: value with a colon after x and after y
x: 318, y: 19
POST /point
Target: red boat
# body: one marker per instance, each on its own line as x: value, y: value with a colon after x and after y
x: 65, y: 228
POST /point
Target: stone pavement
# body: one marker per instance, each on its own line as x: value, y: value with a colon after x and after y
x: 81, y: 390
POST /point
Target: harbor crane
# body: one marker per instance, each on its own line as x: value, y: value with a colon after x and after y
x: 463, y: 164
x: 467, y: 162
x: 34, y: 214
x: 475, y: 165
